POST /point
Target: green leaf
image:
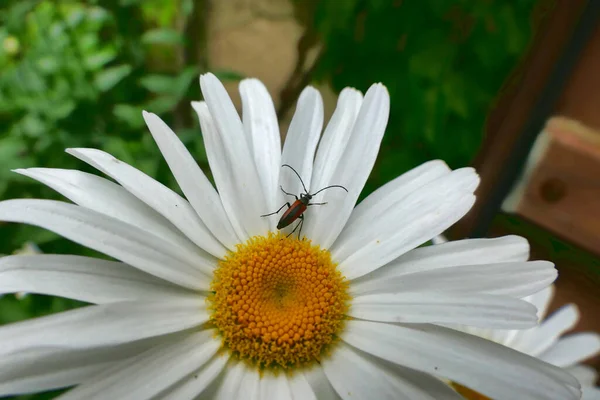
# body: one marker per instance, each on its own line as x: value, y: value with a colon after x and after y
x: 131, y: 115
x: 28, y: 233
x: 160, y: 84
x: 119, y: 148
x: 13, y: 310
x: 225, y: 75
x: 125, y: 3
x: 184, y: 79
x: 187, y: 6
x: 13, y: 154
x: 48, y: 65
x: 162, y: 36
x: 100, y: 59
x: 61, y: 110
x: 175, y: 86
x: 17, y: 14
x: 162, y: 104
x: 97, y: 15
x: 75, y: 16
x: 330, y: 15
x: 32, y: 125
x: 88, y: 42
x: 108, y: 78
x: 192, y: 138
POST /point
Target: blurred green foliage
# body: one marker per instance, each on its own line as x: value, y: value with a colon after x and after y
x: 442, y: 61
x: 78, y: 73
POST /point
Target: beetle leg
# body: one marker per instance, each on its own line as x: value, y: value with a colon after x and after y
x: 301, y: 218
x: 316, y: 204
x: 289, y: 194
x: 276, y: 212
x: 301, y: 225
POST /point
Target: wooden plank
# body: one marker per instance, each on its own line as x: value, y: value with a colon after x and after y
x: 580, y: 99
x: 561, y: 187
x: 516, y: 103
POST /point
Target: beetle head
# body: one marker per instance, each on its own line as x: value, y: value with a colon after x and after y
x: 305, y: 196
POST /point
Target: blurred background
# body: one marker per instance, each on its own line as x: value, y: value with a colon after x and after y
x: 471, y: 82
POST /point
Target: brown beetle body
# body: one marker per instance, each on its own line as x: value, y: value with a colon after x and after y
x: 293, y: 213
x: 296, y: 209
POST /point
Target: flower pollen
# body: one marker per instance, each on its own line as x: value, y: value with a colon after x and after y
x: 278, y: 301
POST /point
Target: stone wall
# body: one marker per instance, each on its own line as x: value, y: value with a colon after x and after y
x: 258, y: 38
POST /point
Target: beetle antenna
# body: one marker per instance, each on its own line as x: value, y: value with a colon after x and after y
x: 329, y: 187
x: 298, y: 175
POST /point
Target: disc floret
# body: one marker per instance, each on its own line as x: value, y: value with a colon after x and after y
x: 278, y: 301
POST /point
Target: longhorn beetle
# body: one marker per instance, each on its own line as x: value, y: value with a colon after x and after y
x: 296, y: 210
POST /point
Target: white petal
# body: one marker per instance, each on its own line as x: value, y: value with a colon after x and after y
x: 572, y: 349
x: 417, y: 231
x: 536, y: 340
x: 383, y: 199
x: 301, y: 141
x: 585, y: 374
x: 234, y: 171
x: 230, y: 382
x: 220, y: 167
x: 429, y: 384
x: 462, y: 358
x: 541, y: 300
x: 151, y: 372
x: 243, y: 222
x: 357, y: 375
x: 104, y: 325
x: 262, y: 130
x: 486, y: 311
x: 590, y: 393
x: 319, y: 383
x: 41, y: 369
x: 336, y: 137
x: 196, y: 383
x: 195, y: 185
x: 300, y: 388
x: 81, y: 278
x: 501, y: 336
x: 460, y: 252
x: 101, y: 195
x: 54, y: 378
x: 508, y: 279
x: 114, y: 238
x: 250, y: 385
x: 352, y: 169
x: 399, y: 205
x: 439, y: 239
x: 162, y: 199
x: 272, y: 387
x: 330, y: 152
x: 413, y: 221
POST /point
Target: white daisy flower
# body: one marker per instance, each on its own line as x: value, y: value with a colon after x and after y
x: 546, y: 342
x: 207, y: 300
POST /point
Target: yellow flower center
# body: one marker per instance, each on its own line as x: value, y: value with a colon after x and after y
x: 278, y: 302
x: 467, y: 393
